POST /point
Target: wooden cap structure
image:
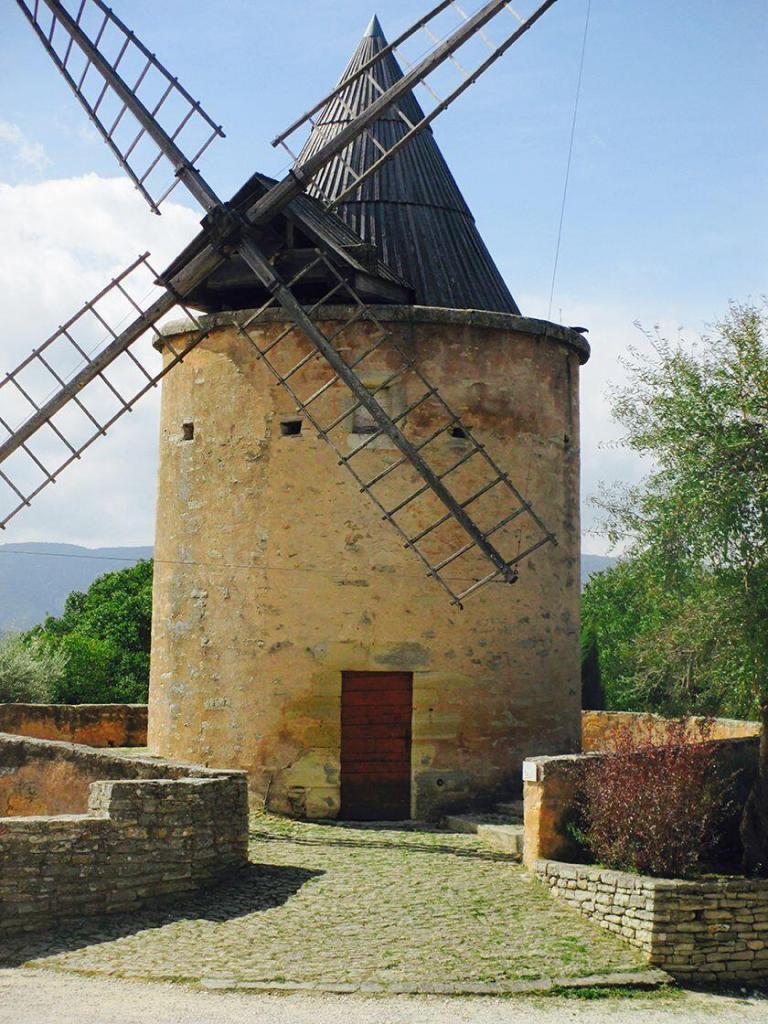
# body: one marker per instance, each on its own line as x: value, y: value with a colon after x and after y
x: 405, y: 236
x: 412, y: 210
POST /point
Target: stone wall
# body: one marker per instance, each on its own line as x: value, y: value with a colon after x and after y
x: 551, y: 787
x: 708, y: 930
x: 140, y: 840
x: 96, y: 725
x: 599, y: 729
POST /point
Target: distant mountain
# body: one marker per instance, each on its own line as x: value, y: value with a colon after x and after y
x: 594, y: 563
x: 35, y: 579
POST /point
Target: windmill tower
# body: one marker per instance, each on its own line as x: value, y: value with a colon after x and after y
x: 291, y: 636
x: 295, y: 634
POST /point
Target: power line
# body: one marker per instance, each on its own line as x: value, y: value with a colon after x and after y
x: 570, y: 156
x: 67, y: 554
x: 263, y: 566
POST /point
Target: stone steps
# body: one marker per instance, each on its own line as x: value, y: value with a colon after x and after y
x: 501, y: 830
x: 514, y: 808
x: 504, y: 838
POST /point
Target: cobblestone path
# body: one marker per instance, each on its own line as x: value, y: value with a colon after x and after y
x: 333, y: 904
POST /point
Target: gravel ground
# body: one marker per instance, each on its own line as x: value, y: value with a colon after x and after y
x: 334, y: 904
x: 42, y: 997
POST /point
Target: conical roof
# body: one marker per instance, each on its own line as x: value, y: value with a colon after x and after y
x: 411, y: 209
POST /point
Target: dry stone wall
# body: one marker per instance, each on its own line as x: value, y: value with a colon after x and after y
x: 708, y: 930
x: 139, y: 840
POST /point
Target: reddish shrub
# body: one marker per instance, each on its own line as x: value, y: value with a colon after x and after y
x: 651, y: 808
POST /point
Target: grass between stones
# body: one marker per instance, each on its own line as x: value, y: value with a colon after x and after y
x: 352, y: 908
x: 662, y: 994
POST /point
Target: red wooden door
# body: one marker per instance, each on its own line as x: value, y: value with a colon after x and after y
x: 376, y: 745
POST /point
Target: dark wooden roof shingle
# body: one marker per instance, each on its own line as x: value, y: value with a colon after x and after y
x: 412, y: 209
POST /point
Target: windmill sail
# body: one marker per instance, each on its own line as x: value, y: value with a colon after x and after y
x: 145, y: 116
x: 230, y: 230
x: 456, y: 45
x: 406, y: 490
x: 74, y: 387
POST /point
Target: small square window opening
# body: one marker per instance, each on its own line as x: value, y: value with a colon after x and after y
x: 362, y: 421
x: 459, y: 432
x: 187, y: 431
x: 291, y: 428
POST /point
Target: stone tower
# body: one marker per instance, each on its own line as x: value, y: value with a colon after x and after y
x: 292, y: 634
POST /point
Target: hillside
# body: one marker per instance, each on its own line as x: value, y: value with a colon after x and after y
x: 35, y: 579
x: 594, y: 563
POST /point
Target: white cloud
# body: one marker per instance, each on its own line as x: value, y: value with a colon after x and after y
x: 85, y: 132
x: 63, y: 241
x: 24, y: 151
x: 613, y: 331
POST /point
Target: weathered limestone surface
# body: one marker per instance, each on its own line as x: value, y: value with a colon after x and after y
x: 551, y: 786
x: 140, y: 840
x: 709, y: 930
x: 599, y: 729
x: 274, y: 574
x: 39, y: 777
x: 95, y: 725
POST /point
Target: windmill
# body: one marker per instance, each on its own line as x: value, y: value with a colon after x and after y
x: 65, y: 394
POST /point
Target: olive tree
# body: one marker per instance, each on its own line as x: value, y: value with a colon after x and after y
x: 29, y: 671
x: 697, y: 528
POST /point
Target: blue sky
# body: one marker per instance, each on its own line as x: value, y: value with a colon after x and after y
x: 666, y: 215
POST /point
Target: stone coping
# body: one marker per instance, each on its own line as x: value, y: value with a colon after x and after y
x: 72, y: 708
x: 543, y: 329
x: 147, y: 767
x: 538, y: 769
x: 599, y: 729
x: 640, y: 980
x: 611, y: 876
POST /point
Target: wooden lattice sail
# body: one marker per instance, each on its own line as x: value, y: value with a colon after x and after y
x: 157, y: 131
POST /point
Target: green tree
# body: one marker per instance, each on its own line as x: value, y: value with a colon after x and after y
x: 681, y: 621
x: 29, y: 672
x: 103, y: 635
x: 592, y: 692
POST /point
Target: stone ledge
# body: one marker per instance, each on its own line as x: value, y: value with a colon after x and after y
x: 14, y: 748
x: 504, y: 838
x: 600, y: 729
x: 643, y: 980
x: 496, y: 831
x: 543, y: 329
